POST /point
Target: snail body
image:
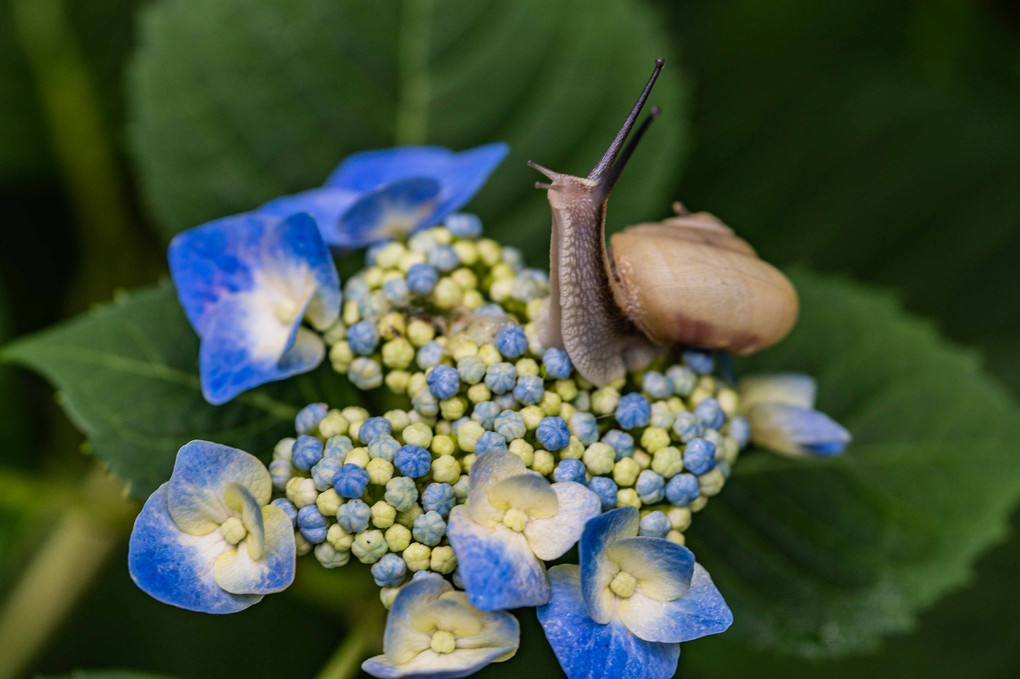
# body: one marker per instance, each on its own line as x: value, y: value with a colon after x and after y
x: 686, y: 280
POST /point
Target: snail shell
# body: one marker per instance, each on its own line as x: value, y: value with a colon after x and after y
x: 686, y: 280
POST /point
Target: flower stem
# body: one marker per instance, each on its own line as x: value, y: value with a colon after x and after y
x: 365, y: 633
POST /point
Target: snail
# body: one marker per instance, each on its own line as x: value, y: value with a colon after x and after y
x: 686, y: 280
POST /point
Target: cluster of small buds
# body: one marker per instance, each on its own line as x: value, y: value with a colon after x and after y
x: 446, y: 322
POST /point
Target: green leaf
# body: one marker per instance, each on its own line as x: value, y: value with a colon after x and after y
x: 127, y: 376
x: 234, y: 102
x: 823, y: 557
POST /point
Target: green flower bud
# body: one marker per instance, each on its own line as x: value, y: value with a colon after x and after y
x: 625, y: 472
x: 340, y: 539
x: 328, y: 502
x: 398, y: 537
x: 442, y: 559
x: 598, y: 459
x: 543, y: 462
x: 369, y: 546
x: 445, y: 469
x: 667, y: 462
x: 417, y: 557
x: 383, y: 514
x: 380, y: 471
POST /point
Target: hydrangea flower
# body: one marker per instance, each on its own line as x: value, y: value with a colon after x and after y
x: 781, y: 413
x: 625, y: 610
x: 208, y: 539
x: 513, y: 518
x: 389, y: 193
x: 434, y: 631
x: 246, y: 284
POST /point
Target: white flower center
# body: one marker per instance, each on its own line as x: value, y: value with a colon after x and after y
x: 623, y: 584
x: 443, y: 641
x: 515, y: 519
x: 285, y: 311
x: 233, y: 530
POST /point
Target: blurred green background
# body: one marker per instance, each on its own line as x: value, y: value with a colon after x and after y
x: 872, y: 140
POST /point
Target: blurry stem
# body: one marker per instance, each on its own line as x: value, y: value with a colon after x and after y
x: 111, y: 252
x: 412, y: 72
x: 364, y: 633
x: 61, y: 571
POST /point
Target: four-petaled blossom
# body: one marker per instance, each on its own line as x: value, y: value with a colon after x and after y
x: 780, y: 410
x: 629, y: 604
x: 388, y: 193
x: 434, y: 631
x: 246, y: 284
x: 208, y: 540
x: 513, y: 518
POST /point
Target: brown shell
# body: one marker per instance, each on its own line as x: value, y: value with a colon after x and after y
x: 690, y: 280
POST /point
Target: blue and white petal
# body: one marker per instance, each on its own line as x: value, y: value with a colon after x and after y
x: 791, y: 388
x: 663, y: 569
x: 700, y: 611
x: 488, y: 470
x: 597, y: 570
x: 496, y: 564
x: 325, y: 205
x: 391, y: 211
x: 550, y: 538
x: 202, y: 472
x: 246, y: 283
x: 173, y: 566
x: 459, y: 174
x: 238, y: 572
x: 795, y: 430
x: 589, y: 650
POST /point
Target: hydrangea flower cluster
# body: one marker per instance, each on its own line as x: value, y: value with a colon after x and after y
x: 495, y: 457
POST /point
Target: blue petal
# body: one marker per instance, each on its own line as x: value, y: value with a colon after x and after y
x: 588, y: 650
x: 176, y: 568
x: 246, y: 283
x: 325, y: 205
x: 496, y: 564
x: 795, y: 430
x: 202, y: 472
x: 596, y: 569
x: 460, y: 175
x: 392, y: 211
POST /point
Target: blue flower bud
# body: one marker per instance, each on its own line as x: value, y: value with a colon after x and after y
x: 288, y: 508
x: 511, y: 342
x: 439, y: 498
x: 312, y: 524
x: 724, y: 468
x: 740, y: 430
x: 605, y: 488
x: 654, y: 524
x: 384, y: 446
x: 557, y: 364
x: 324, y: 472
x: 443, y: 381
x: 365, y: 373
x: 308, y: 418
x: 633, y: 411
x: 489, y: 441
x: 585, y: 427
x: 395, y: 290
x: 552, y: 433
x: 513, y: 257
x: 337, y: 446
x: 471, y: 369
x: 464, y: 225
x: 280, y: 472
x: 687, y: 426
x: 429, y: 354
x: 307, y: 451
x: 656, y: 385
x: 570, y: 470
x: 372, y: 305
x: 425, y: 403
x: 421, y: 278
x: 412, y: 461
x: 683, y: 378
x: 490, y: 310
x: 372, y: 253
x: 362, y: 337
x: 650, y: 487
x: 505, y: 401
x: 428, y: 529
x: 356, y: 288
x: 443, y: 257
x: 699, y: 361
x: 621, y: 442
x: 682, y: 489
x: 389, y: 571
x: 500, y: 377
x: 510, y: 425
x: 353, y: 516
x: 699, y: 456
x: 529, y: 389
x: 710, y: 413
x: 485, y: 414
x: 373, y: 427
x: 401, y: 493
x: 350, y: 481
